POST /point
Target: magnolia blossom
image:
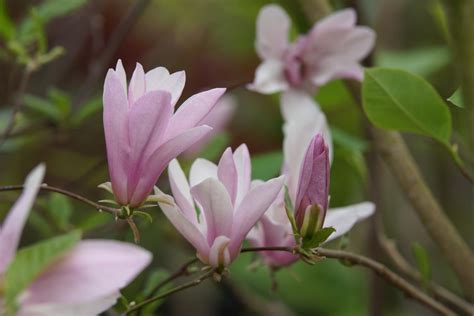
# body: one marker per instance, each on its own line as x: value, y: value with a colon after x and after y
x: 218, y: 118
x: 216, y: 209
x: 307, y: 179
x: 84, y: 282
x: 142, y: 134
x: 332, y: 49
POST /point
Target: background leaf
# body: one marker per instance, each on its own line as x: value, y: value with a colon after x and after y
x: 29, y: 262
x: 422, y: 262
x: 399, y: 100
x: 266, y: 166
x: 456, y: 98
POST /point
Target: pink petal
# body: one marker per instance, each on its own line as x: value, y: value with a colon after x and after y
x: 147, y: 123
x: 273, y: 25
x: 116, y: 134
x: 181, y: 191
x: 92, y: 270
x: 253, y: 206
x: 269, y: 77
x: 343, y: 19
x: 227, y: 173
x: 93, y: 307
x: 162, y: 156
x: 12, y: 227
x: 137, y: 85
x: 219, y: 252
x: 344, y: 218
x: 216, y: 206
x: 244, y: 172
x: 120, y: 72
x: 193, y: 111
x: 189, y: 231
x: 218, y: 118
x: 201, y: 169
x: 160, y: 79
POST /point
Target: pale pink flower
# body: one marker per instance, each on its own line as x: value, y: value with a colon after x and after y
x: 228, y: 206
x: 142, y: 134
x: 218, y: 118
x: 84, y: 282
x: 332, y: 49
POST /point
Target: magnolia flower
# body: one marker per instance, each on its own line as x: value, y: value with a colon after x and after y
x: 84, y: 282
x: 218, y: 118
x: 332, y: 49
x: 142, y: 134
x: 307, y: 180
x: 216, y: 209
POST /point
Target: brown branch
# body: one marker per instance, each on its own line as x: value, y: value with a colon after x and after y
x: 98, y: 68
x: 16, y: 105
x: 377, y: 267
x: 392, y: 148
x: 182, y: 287
x: 388, y: 275
x: 45, y: 187
x: 390, y: 249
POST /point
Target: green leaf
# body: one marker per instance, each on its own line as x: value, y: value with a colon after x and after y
x: 348, y: 141
x: 94, y: 221
x: 318, y: 238
x: 290, y: 213
x: 46, y: 11
x: 87, y: 110
x: 456, y: 98
x: 7, y: 28
x: 60, y: 209
x: 42, y: 106
x: 422, y: 61
x: 31, y: 261
x: 61, y: 100
x: 266, y: 166
x: 422, y: 262
x: 398, y: 100
x: 215, y: 146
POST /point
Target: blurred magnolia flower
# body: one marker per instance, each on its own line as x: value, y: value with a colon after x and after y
x: 84, y: 282
x: 142, y: 134
x: 216, y: 209
x: 218, y: 118
x: 307, y: 180
x: 332, y: 49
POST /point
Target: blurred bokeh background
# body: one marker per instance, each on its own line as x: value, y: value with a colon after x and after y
x: 60, y: 123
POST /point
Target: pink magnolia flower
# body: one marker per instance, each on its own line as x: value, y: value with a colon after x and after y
x: 142, y: 133
x: 228, y: 206
x: 332, y: 49
x: 218, y: 118
x: 307, y: 179
x: 84, y: 282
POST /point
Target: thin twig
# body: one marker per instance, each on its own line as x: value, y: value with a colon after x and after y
x: 390, y: 249
x: 182, y: 287
x: 16, y: 105
x: 388, y: 275
x: 45, y: 187
x: 377, y: 267
x: 97, y: 69
x: 182, y: 271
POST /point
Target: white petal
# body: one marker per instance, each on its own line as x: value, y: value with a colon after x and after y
x: 202, y: 169
x: 273, y: 25
x: 269, y: 77
x: 342, y: 219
